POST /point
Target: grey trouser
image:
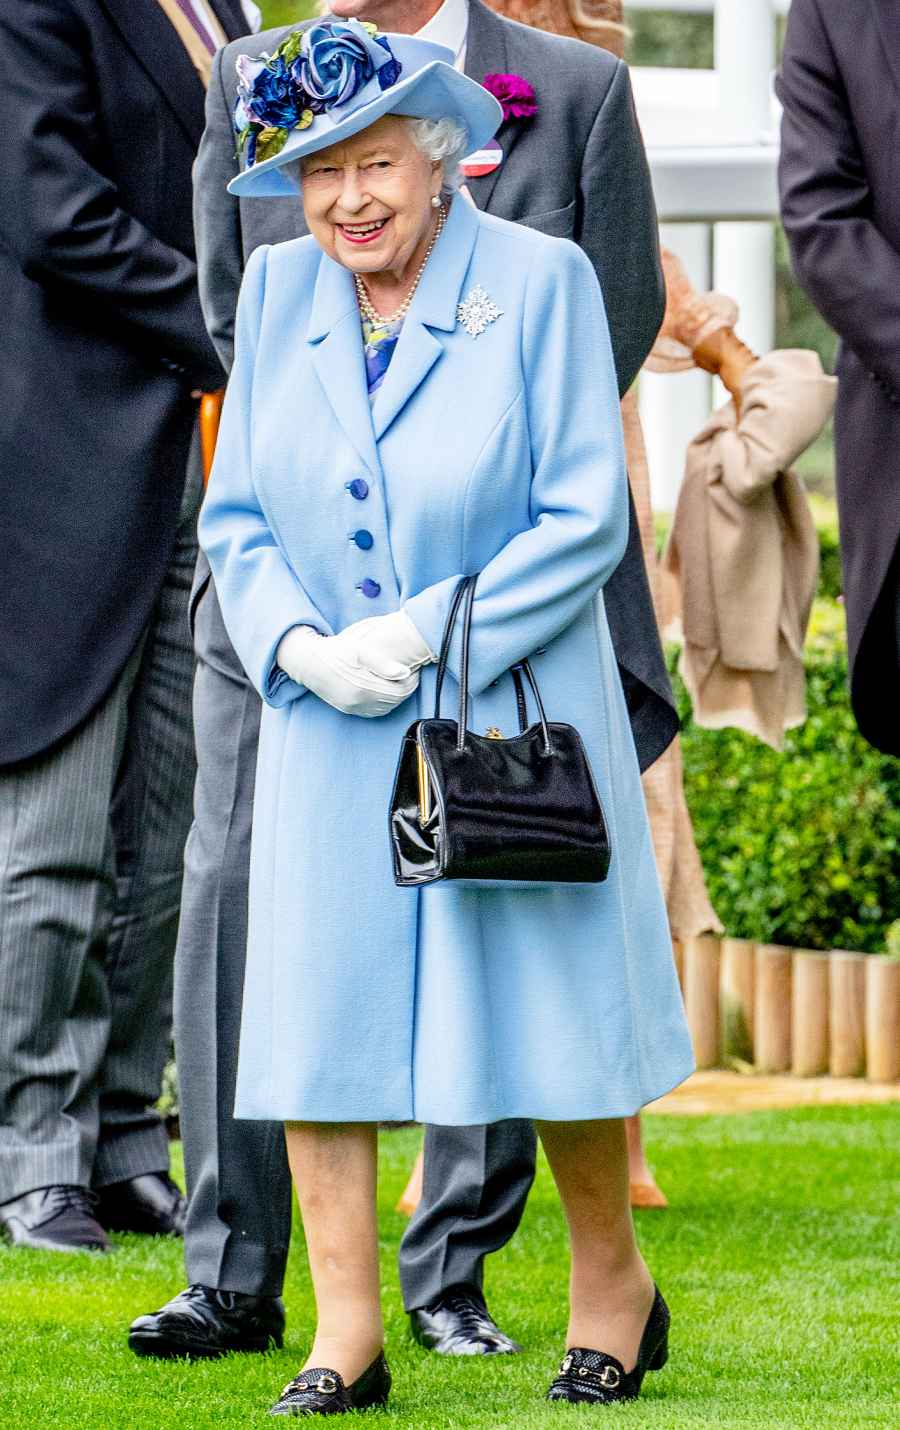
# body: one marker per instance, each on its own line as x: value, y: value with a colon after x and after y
x: 239, y: 1217
x: 91, y: 841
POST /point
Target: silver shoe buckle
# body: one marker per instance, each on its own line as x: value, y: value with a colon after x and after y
x: 326, y: 1384
x: 610, y: 1377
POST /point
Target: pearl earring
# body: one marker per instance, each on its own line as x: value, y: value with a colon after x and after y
x: 435, y: 201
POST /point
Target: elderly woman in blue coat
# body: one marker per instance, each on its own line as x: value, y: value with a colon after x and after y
x: 421, y: 391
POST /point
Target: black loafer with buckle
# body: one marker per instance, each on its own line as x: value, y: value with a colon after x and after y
x: 590, y: 1377
x: 323, y: 1392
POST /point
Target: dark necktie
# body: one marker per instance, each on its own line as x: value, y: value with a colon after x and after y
x: 190, y: 14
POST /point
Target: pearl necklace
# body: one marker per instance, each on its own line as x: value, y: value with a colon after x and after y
x: 365, y: 303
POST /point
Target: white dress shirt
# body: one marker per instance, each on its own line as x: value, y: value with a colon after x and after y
x: 449, y: 26
x: 252, y: 14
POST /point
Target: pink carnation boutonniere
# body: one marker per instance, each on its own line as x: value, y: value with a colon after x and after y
x: 514, y: 93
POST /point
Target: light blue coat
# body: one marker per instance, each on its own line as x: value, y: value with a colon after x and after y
x: 501, y: 454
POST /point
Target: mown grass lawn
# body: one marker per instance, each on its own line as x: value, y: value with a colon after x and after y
x: 779, y: 1259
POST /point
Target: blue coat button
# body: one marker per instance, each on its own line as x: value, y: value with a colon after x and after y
x: 358, y: 488
x: 369, y: 588
x: 364, y: 539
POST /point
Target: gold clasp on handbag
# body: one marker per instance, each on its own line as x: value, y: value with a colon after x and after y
x: 493, y: 733
x: 424, y: 787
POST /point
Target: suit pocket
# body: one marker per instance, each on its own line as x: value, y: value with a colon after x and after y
x: 559, y: 223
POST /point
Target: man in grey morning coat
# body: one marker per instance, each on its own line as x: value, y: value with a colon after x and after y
x: 576, y: 170
x: 840, y: 88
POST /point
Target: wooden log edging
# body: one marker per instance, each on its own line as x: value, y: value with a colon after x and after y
x: 882, y: 1019
x: 781, y: 1009
x: 772, y: 1008
x: 809, y: 1013
x: 847, y: 1003
x: 736, y: 999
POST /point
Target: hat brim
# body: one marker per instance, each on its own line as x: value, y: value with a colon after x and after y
x: 437, y: 91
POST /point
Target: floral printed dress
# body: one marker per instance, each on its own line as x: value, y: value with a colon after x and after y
x: 379, y: 344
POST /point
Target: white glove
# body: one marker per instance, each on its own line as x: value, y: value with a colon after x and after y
x: 388, y: 646
x: 319, y: 663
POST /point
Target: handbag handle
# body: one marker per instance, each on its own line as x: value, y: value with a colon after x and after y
x: 465, y: 594
x: 446, y: 641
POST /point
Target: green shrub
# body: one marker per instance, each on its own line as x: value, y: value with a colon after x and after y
x: 800, y: 847
x: 286, y: 12
x: 831, y: 581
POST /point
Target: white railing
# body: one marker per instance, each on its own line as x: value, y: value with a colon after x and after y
x: 697, y: 7
x: 712, y: 141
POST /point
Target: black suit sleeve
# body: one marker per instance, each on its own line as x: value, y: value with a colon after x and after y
x: 619, y: 231
x: 60, y: 216
x: 849, y: 269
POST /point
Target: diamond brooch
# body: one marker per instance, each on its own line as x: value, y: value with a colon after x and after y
x: 476, y: 312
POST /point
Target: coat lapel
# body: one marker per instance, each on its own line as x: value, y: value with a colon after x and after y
x: 150, y: 35
x: 886, y: 14
x: 434, y: 306
x: 486, y: 54
x: 335, y: 336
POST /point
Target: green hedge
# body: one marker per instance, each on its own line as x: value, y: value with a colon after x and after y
x: 799, y: 848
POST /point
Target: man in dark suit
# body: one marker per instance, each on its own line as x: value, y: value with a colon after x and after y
x: 101, y: 346
x: 577, y: 170
x: 840, y: 199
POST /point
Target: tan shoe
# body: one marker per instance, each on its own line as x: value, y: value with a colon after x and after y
x: 647, y: 1196
x: 412, y: 1194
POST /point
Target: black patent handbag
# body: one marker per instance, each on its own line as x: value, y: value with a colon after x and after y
x: 486, y: 809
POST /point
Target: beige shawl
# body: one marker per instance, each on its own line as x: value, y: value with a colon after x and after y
x: 742, y: 558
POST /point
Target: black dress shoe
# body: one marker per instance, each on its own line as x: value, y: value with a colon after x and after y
x: 459, y: 1324
x: 323, y: 1392
x: 152, y: 1204
x: 54, y: 1219
x: 590, y: 1377
x: 204, y: 1323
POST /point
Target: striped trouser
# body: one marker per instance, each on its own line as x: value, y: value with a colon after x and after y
x: 91, y: 842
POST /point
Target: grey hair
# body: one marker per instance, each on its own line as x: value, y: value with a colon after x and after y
x: 443, y: 141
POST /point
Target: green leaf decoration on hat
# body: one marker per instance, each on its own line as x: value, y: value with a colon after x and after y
x: 290, y: 48
x: 270, y: 142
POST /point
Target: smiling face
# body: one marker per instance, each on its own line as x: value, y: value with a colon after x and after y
x: 367, y: 200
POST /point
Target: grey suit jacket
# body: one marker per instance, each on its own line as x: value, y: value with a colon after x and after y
x: 577, y: 170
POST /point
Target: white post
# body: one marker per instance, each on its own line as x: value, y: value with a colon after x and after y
x: 744, y: 268
x: 744, y: 264
x: 745, y: 57
x: 674, y: 406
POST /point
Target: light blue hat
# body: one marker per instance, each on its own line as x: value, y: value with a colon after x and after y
x: 334, y: 78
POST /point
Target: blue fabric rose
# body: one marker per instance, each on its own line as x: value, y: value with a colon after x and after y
x: 272, y: 98
x: 338, y: 60
x: 390, y: 73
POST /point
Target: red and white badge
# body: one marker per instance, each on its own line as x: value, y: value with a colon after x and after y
x: 483, y: 161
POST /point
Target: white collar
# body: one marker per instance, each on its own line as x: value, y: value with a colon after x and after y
x: 448, y: 26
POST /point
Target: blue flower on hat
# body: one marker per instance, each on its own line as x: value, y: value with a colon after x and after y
x: 311, y: 71
x: 337, y: 59
x: 269, y: 95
